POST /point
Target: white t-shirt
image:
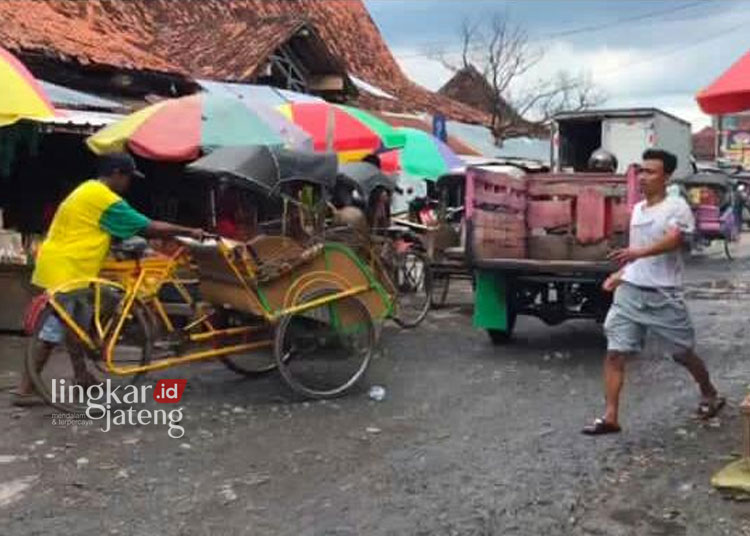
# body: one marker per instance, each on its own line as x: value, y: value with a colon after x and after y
x: 649, y: 225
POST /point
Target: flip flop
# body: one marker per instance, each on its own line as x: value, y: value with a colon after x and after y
x: 600, y: 427
x: 25, y: 400
x: 708, y: 409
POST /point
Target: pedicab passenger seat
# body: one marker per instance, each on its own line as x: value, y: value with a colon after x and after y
x: 223, y: 281
x: 230, y: 279
x: 276, y: 256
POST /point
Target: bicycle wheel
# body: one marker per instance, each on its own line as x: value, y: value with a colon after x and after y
x: 440, y: 286
x: 728, y: 248
x: 251, y: 364
x: 322, y: 352
x: 255, y: 362
x: 71, y: 365
x: 412, y: 277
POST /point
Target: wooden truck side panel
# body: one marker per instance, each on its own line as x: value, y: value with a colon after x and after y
x: 550, y: 217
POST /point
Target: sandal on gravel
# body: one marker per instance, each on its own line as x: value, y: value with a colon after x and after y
x: 25, y: 400
x: 600, y: 427
x: 708, y: 409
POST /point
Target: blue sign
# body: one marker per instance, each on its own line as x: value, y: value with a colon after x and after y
x: 439, y: 129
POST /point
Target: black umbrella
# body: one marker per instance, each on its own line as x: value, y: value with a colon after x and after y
x: 365, y: 178
x: 266, y: 168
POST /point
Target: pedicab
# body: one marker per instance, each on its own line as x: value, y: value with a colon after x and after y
x: 394, y: 252
x: 314, y: 304
x: 440, y: 215
x: 716, y: 207
x: 440, y: 218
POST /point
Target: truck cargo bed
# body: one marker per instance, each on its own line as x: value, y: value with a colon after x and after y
x: 546, y: 266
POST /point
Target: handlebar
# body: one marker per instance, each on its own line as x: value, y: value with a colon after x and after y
x: 183, y: 239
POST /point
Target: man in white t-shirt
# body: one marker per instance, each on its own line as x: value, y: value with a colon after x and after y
x: 647, y: 289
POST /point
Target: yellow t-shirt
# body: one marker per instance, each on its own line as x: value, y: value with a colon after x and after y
x: 79, y: 238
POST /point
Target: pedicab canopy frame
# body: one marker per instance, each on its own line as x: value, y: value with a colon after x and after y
x: 265, y: 168
x: 365, y: 178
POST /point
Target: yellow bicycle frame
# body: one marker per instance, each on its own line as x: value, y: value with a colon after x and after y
x: 132, y: 295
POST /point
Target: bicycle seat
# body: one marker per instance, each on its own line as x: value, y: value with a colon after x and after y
x: 130, y: 249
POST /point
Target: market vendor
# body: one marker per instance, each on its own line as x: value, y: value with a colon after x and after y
x: 75, y: 249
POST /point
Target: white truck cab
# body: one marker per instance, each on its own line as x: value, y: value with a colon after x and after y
x: 626, y: 133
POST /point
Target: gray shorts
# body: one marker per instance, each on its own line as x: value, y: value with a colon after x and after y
x: 77, y: 304
x: 636, y: 311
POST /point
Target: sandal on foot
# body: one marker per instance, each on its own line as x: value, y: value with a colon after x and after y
x: 708, y: 409
x: 25, y: 400
x: 600, y: 427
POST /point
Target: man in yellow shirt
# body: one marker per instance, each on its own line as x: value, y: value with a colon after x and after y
x: 77, y: 245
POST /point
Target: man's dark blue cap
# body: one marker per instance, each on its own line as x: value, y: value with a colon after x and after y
x: 122, y: 162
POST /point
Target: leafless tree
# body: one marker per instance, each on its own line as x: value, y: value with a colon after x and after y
x: 499, y: 55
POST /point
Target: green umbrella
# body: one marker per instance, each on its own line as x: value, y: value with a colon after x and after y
x: 423, y: 156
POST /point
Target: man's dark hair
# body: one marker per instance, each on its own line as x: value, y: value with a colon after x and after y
x: 110, y: 163
x: 667, y: 159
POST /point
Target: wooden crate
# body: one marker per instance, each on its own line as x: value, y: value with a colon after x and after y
x: 576, y: 217
x: 496, y: 208
x: 548, y: 217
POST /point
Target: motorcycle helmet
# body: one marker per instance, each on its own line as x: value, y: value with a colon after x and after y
x: 602, y: 161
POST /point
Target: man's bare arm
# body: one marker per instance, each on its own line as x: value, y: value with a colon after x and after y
x: 672, y: 241
x: 163, y: 229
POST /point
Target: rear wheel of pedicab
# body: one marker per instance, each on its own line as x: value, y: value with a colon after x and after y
x: 252, y: 363
x: 323, y: 351
x: 412, y: 277
x: 74, y: 367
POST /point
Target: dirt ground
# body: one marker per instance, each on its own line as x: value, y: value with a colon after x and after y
x: 470, y: 439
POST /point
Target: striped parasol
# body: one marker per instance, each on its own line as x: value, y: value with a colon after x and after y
x: 21, y: 95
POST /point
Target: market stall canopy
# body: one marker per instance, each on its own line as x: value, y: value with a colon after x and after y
x: 65, y: 97
x: 21, y: 95
x: 183, y: 129
x: 365, y: 177
x: 422, y: 157
x: 730, y: 93
x: 266, y: 168
x: 350, y: 132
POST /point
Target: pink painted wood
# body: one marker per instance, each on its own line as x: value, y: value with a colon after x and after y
x: 620, y: 217
x: 471, y: 176
x: 634, y: 188
x: 499, y: 189
x: 549, y: 214
x: 590, y: 216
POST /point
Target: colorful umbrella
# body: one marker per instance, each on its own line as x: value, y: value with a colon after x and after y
x: 348, y: 131
x: 730, y: 93
x: 423, y: 156
x: 21, y: 96
x: 180, y: 130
